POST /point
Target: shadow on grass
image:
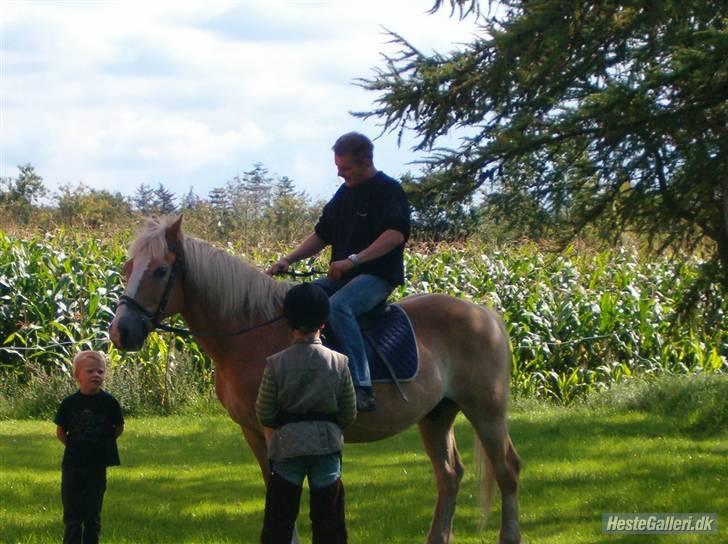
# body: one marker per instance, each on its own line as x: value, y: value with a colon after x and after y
x: 197, y: 481
x: 578, y: 466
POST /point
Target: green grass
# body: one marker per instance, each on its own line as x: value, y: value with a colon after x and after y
x: 192, y: 479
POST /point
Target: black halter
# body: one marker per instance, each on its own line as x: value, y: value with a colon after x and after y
x: 152, y: 321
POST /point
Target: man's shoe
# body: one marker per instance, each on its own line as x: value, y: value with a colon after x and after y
x: 365, y: 400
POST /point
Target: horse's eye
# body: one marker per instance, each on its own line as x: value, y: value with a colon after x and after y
x: 160, y: 272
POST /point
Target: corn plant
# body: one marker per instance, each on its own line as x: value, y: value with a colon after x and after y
x: 579, y: 320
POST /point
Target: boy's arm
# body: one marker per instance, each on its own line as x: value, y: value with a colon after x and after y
x: 118, y: 429
x: 61, y: 434
x: 265, y: 404
x: 346, y: 401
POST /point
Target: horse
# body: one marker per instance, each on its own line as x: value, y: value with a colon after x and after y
x: 465, y: 360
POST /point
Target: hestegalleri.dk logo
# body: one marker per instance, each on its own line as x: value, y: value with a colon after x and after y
x: 659, y: 523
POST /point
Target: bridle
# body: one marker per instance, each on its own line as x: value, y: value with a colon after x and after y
x: 152, y: 320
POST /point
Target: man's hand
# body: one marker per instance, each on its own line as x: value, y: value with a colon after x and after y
x: 337, y: 268
x: 280, y: 266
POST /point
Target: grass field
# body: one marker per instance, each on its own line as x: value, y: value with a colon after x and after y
x: 192, y: 479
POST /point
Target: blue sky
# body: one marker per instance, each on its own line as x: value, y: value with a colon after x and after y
x: 191, y: 94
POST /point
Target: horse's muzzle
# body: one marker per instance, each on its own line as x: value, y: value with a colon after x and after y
x: 129, y: 330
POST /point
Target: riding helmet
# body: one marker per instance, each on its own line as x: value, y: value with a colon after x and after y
x: 306, y: 306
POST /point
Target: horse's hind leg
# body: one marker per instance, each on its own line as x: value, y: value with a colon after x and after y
x: 493, y: 433
x: 436, y: 430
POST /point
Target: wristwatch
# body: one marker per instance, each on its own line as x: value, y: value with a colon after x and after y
x: 354, y: 258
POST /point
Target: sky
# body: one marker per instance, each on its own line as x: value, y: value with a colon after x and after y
x: 193, y: 93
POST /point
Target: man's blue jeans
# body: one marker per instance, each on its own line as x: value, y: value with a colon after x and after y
x: 347, y: 302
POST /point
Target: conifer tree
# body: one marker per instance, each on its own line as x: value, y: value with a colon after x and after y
x: 610, y: 113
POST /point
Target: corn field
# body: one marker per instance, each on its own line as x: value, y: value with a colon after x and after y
x: 579, y: 320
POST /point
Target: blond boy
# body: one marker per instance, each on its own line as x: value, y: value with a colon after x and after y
x: 88, y: 424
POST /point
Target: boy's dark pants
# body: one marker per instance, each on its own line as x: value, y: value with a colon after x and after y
x: 281, y: 510
x: 82, y: 493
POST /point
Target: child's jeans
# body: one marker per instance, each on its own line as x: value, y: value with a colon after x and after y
x: 82, y: 493
x: 322, y: 470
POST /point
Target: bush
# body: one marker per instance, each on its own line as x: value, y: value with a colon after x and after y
x: 698, y: 404
x: 35, y: 398
x: 140, y: 389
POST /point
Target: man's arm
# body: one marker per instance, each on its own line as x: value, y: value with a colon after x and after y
x: 385, y: 243
x: 308, y: 248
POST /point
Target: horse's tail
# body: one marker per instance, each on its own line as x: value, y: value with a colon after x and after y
x: 485, y: 476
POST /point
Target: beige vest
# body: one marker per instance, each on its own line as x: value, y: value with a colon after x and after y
x: 309, y: 378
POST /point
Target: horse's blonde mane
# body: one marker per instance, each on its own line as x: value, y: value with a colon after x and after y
x: 229, y: 284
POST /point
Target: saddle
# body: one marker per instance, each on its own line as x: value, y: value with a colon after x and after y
x: 390, y: 343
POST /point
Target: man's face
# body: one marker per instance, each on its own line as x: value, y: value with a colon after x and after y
x: 352, y: 171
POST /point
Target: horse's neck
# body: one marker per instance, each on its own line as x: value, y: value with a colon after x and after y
x: 203, y: 316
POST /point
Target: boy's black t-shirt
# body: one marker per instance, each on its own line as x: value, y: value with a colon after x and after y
x: 356, y: 216
x: 89, y: 422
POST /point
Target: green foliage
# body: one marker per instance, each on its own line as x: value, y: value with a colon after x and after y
x: 82, y: 206
x: 579, y: 321
x: 36, y: 396
x: 143, y: 199
x: 18, y: 195
x: 173, y: 386
x: 257, y: 208
x: 610, y: 114
x: 698, y: 404
x: 434, y: 217
x: 58, y: 294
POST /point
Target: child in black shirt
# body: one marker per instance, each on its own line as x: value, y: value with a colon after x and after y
x: 88, y: 424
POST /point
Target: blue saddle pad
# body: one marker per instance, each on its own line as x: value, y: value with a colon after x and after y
x: 392, y: 333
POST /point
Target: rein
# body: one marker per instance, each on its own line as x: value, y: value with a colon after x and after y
x: 308, y: 274
x: 152, y: 320
x: 187, y: 332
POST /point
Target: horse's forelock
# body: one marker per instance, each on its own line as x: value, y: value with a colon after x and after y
x: 151, y: 242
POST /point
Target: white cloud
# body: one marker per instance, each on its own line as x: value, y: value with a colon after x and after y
x: 120, y: 93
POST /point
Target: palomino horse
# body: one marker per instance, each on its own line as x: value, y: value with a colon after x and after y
x: 465, y: 361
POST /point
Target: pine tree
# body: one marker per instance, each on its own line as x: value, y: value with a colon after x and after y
x: 143, y: 200
x: 221, y: 210
x: 258, y: 185
x: 610, y: 114
x: 288, y: 210
x: 164, y: 200
x: 190, y: 200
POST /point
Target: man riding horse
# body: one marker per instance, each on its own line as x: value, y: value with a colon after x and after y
x: 367, y: 223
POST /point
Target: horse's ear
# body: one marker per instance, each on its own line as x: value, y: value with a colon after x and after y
x: 173, y: 234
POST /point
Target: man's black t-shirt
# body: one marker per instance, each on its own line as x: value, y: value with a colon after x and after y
x: 89, y: 422
x: 356, y: 216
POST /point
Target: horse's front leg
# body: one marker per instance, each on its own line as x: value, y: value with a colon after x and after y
x: 257, y: 443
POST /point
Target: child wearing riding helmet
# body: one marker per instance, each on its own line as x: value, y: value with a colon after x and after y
x: 306, y: 397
